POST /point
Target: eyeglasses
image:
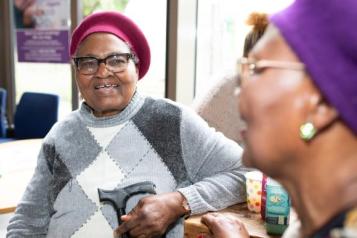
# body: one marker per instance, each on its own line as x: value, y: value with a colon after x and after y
x: 249, y: 67
x: 115, y: 63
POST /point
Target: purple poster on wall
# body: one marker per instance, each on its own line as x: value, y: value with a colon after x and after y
x: 42, y: 30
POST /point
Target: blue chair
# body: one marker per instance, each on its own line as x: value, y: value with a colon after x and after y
x: 35, y: 115
x: 3, y: 120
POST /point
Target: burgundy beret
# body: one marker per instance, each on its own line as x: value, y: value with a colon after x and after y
x: 117, y: 24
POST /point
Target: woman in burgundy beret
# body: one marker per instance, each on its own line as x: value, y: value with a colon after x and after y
x: 153, y: 159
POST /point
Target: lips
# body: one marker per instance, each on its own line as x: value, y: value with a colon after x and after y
x: 106, y: 86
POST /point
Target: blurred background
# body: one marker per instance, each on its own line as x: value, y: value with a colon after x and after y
x: 208, y: 35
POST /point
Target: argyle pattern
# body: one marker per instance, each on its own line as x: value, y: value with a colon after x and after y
x: 150, y: 140
x: 105, y: 158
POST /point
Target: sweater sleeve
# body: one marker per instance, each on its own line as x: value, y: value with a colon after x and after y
x: 32, y: 214
x: 213, y: 163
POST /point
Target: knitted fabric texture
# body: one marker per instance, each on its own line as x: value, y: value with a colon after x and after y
x: 151, y: 140
x: 219, y: 107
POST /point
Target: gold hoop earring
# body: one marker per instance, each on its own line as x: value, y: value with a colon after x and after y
x: 307, y: 131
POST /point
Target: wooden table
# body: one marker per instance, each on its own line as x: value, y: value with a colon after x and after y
x: 17, y: 163
x: 252, y: 221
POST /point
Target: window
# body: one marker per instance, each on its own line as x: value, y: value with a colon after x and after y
x: 221, y: 31
x: 47, y: 78
x: 42, y: 30
x: 56, y: 78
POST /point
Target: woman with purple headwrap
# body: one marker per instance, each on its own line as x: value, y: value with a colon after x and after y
x: 299, y: 100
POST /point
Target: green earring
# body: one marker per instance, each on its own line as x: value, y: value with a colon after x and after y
x: 307, y: 131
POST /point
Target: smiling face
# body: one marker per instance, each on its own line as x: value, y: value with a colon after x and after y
x: 274, y: 102
x: 107, y: 93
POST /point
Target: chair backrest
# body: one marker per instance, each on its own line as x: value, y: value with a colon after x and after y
x: 35, y: 115
x: 3, y: 121
x: 219, y: 108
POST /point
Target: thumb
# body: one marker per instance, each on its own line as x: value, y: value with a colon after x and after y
x: 208, y: 219
x: 125, y: 218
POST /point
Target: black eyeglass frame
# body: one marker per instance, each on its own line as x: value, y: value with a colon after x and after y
x: 128, y: 56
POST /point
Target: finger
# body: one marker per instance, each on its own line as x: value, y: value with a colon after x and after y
x: 148, y: 231
x: 215, y: 214
x: 126, y: 226
x: 234, y: 220
x: 116, y: 234
x: 238, y: 223
x: 209, y: 218
x: 125, y: 218
x: 138, y: 232
x: 209, y: 221
x: 215, y: 222
x: 129, y: 221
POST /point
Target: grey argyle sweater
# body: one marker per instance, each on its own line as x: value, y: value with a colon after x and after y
x: 151, y: 140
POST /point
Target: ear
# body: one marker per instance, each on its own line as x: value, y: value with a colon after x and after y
x: 323, y: 114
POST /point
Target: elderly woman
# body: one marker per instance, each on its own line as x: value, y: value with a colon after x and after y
x: 301, y: 90
x: 119, y: 138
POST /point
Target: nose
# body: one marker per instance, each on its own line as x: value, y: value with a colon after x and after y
x: 102, y: 70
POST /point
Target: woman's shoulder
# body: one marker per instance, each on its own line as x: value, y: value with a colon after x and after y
x: 68, y: 123
x: 168, y: 109
x: 161, y: 105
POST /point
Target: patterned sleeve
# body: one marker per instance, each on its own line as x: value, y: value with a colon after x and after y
x: 213, y: 163
x: 32, y: 214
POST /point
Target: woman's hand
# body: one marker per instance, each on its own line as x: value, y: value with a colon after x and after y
x: 152, y: 215
x: 224, y: 226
